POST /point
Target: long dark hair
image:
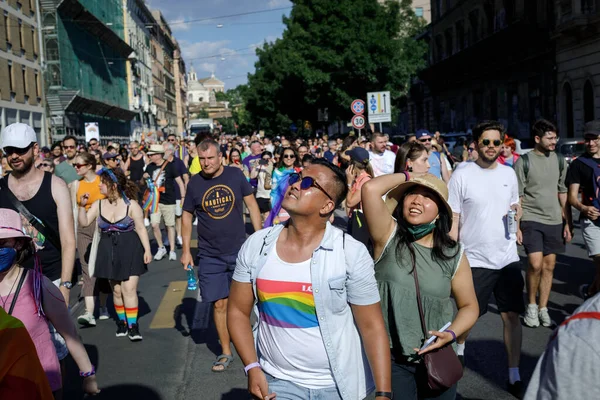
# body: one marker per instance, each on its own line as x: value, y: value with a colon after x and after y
x: 122, y: 185
x: 231, y: 152
x: 444, y: 247
x: 280, y: 163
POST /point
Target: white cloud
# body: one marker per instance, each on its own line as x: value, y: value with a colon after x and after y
x: 177, y: 24
x: 207, y: 67
x: 278, y: 3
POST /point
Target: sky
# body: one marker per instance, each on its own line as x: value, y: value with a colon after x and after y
x: 228, y: 51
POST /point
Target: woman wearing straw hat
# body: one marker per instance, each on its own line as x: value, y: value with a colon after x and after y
x: 33, y: 298
x: 410, y: 237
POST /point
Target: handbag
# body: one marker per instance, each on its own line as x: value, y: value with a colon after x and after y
x: 443, y: 366
x: 19, y: 285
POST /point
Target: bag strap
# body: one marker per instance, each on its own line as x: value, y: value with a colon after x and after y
x: 525, y: 158
x: 581, y: 315
x: 162, y: 168
x: 419, y: 303
x: 19, y: 285
x: 47, y: 231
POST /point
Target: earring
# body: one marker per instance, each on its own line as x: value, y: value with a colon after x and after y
x: 410, y: 169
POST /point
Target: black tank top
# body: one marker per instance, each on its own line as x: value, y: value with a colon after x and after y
x: 136, y: 169
x: 43, y: 207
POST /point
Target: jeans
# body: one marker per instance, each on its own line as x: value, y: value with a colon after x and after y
x: 287, y: 390
x: 409, y: 382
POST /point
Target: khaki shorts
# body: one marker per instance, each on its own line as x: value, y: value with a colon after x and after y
x: 167, y: 212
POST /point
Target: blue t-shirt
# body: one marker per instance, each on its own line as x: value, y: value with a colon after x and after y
x: 180, y: 170
x: 435, y: 165
x: 218, y: 204
x: 251, y: 162
x: 329, y: 156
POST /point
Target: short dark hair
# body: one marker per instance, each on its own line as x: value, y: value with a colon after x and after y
x: 339, y: 180
x: 541, y: 127
x: 171, y: 134
x: 488, y: 126
x: 201, y: 137
x: 69, y: 137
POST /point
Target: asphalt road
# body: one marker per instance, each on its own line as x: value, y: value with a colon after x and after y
x: 174, y: 359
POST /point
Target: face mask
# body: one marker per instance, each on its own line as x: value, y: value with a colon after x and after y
x: 420, y: 231
x: 7, y: 257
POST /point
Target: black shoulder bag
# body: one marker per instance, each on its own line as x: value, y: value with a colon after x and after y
x: 19, y: 285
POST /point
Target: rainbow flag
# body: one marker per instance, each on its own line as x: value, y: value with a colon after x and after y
x: 151, y: 202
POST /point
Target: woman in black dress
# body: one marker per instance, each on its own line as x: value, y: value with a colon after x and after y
x: 123, y: 249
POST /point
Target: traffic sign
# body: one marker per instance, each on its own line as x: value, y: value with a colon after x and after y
x: 358, y: 107
x: 380, y: 107
x: 358, y: 121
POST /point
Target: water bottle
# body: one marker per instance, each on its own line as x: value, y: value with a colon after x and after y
x: 192, y: 283
x: 511, y: 222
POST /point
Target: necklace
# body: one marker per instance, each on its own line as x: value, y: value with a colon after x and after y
x: 11, y: 289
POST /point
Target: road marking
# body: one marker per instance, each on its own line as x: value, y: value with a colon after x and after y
x: 163, y: 318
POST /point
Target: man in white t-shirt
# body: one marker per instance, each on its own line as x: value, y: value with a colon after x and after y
x: 481, y: 193
x: 317, y: 302
x: 382, y: 160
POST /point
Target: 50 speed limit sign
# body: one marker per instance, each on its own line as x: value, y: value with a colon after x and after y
x: 358, y: 121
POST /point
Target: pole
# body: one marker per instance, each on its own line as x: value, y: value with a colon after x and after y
x: 380, y: 128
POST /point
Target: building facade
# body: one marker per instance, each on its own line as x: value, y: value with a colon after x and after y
x: 197, y: 93
x: 21, y: 85
x: 86, y: 76
x: 180, y: 90
x: 488, y: 59
x: 164, y: 75
x: 137, y: 19
x: 577, y: 36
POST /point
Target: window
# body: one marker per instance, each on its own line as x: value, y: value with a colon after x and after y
x: 24, y: 77
x: 6, y: 27
x: 588, y: 102
x: 449, y: 42
x: 567, y: 101
x: 37, y: 84
x: 21, y: 35
x: 11, y: 83
x: 419, y: 11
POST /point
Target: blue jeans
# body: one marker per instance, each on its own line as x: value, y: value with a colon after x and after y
x: 409, y: 382
x: 287, y: 390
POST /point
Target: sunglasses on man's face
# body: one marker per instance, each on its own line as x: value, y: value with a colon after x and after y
x: 425, y: 140
x: 45, y: 165
x: 16, y: 150
x: 306, y: 183
x: 487, y: 142
x: 69, y: 147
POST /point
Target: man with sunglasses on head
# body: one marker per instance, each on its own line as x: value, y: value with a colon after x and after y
x: 313, y: 291
x: 47, y: 198
x: 216, y: 196
x: 437, y: 161
x: 382, y: 160
x: 481, y: 194
x: 65, y: 169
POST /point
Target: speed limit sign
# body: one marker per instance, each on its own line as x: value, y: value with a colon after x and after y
x: 358, y: 121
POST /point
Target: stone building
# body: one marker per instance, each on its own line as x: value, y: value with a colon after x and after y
x: 180, y: 90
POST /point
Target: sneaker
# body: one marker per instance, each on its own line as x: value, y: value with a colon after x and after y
x: 172, y: 256
x: 121, y: 328
x: 87, y: 319
x: 160, y: 254
x: 134, y: 333
x: 195, y: 222
x: 545, y: 317
x: 179, y: 243
x: 532, y: 318
x: 103, y: 314
x: 516, y: 389
x: 584, y: 291
x: 146, y: 222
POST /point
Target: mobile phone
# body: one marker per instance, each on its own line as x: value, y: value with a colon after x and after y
x: 263, y: 162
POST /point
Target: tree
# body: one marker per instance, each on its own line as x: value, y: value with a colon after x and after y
x: 331, y: 53
x: 221, y: 96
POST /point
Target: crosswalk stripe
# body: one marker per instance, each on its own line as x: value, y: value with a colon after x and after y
x: 163, y: 318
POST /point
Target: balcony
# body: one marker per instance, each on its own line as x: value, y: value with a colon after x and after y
x: 577, y: 16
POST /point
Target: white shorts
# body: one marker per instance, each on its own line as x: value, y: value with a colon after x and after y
x: 59, y: 342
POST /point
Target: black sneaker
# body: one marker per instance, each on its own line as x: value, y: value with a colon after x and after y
x: 121, y: 328
x: 134, y: 333
x: 516, y: 389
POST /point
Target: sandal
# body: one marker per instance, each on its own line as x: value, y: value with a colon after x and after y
x: 228, y: 359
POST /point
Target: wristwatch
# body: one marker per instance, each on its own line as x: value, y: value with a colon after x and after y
x: 389, y: 395
x: 67, y: 284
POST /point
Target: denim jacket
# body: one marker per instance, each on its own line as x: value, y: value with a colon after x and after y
x: 342, y: 273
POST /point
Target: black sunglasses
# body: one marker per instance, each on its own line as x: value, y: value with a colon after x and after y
x: 42, y: 165
x: 289, y: 156
x: 425, y: 140
x: 16, y: 150
x: 306, y: 183
x: 487, y: 142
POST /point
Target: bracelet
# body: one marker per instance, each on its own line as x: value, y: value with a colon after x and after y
x: 389, y: 395
x: 453, y: 334
x: 250, y: 366
x: 87, y: 374
x: 406, y: 176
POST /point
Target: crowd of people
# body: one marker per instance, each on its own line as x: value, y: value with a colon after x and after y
x: 340, y: 313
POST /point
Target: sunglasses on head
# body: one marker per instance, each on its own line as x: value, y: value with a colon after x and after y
x: 425, y: 140
x: 487, y: 142
x: 16, y: 150
x: 306, y: 183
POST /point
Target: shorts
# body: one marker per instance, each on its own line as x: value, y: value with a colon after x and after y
x: 506, y: 284
x: 178, y: 209
x: 264, y: 205
x: 591, y: 236
x: 59, y: 342
x: 167, y: 212
x: 542, y: 238
x: 214, y: 276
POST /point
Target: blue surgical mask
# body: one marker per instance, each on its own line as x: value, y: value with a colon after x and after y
x: 7, y: 258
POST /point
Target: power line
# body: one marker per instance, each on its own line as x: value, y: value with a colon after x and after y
x: 230, y: 15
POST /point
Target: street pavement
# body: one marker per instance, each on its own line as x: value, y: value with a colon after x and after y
x: 180, y: 343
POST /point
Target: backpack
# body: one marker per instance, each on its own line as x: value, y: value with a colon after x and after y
x: 525, y: 158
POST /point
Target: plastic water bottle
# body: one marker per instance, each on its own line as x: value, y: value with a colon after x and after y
x: 511, y: 222
x: 192, y: 283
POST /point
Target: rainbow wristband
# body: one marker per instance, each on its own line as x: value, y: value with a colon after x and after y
x: 86, y: 374
x: 250, y: 366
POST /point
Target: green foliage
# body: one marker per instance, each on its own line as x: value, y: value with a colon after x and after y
x: 331, y: 53
x: 221, y: 96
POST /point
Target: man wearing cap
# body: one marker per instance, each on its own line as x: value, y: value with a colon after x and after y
x: 382, y: 160
x: 47, y: 198
x: 437, y: 163
x: 65, y: 169
x: 582, y: 176
x: 165, y: 177
x: 110, y: 160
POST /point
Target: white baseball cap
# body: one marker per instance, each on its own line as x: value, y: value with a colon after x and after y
x: 17, y: 135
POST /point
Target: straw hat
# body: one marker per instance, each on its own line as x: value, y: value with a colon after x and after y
x: 155, y: 149
x: 11, y: 225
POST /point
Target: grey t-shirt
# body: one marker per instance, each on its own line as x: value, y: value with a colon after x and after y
x: 539, y: 192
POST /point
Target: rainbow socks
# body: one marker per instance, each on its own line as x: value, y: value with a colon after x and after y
x: 120, y: 313
x: 132, y: 314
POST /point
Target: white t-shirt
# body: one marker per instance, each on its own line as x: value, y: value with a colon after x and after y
x: 483, y: 197
x: 290, y: 344
x: 382, y: 163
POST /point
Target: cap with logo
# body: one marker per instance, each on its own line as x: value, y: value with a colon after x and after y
x: 17, y: 135
x: 421, y: 133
